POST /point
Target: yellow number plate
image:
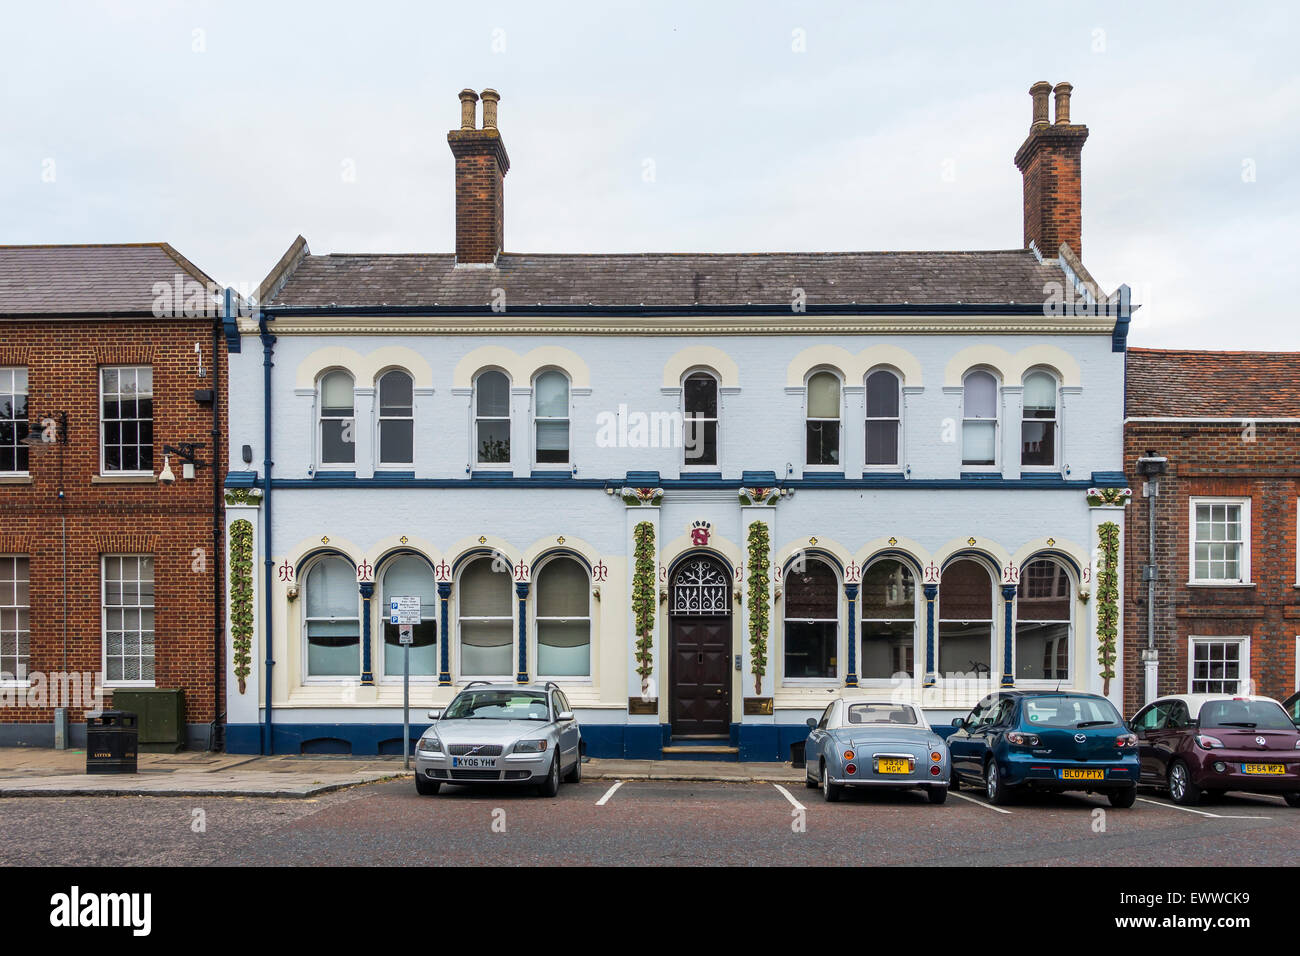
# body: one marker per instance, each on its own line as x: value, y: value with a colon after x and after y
x: 895, y: 765
x: 1263, y: 768
x: 1083, y: 775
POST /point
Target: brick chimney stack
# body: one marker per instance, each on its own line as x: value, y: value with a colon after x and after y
x: 1050, y: 162
x: 481, y: 166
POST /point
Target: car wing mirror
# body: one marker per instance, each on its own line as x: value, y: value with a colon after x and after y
x: 435, y: 714
x: 812, y: 723
x: 564, y: 715
x: 959, y: 723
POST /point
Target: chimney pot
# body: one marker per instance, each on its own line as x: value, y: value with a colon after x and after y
x: 468, y: 99
x: 1040, y: 91
x: 490, y: 100
x: 1063, y: 103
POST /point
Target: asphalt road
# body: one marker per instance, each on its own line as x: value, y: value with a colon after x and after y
x: 642, y: 822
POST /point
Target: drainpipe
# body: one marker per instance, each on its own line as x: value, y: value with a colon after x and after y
x: 268, y: 352
x: 1151, y: 467
x: 216, y: 741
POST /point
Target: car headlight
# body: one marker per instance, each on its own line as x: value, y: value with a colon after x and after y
x: 429, y: 744
x: 530, y: 746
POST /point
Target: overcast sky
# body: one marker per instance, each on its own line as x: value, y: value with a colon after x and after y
x: 228, y: 128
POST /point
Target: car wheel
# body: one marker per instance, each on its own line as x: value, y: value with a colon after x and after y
x: 1292, y: 799
x: 831, y: 791
x: 552, y: 785
x: 575, y: 775
x: 809, y: 781
x: 1123, y: 798
x: 426, y: 787
x: 954, y: 778
x: 1181, y: 787
x: 995, y: 789
x: 937, y: 795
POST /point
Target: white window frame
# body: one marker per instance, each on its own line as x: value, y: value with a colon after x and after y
x: 460, y: 676
x: 103, y: 622
x: 897, y: 464
x: 321, y: 464
x: 1243, y: 562
x: 533, y: 618
x: 535, y: 418
x: 474, y: 418
x: 123, y: 472
x: 1244, y: 661
x: 717, y: 385
x: 1055, y: 464
x: 840, y: 646
x: 807, y: 401
x: 918, y: 610
x: 380, y: 418
x: 996, y: 420
x: 381, y: 610
x: 25, y: 391
x: 337, y: 679
x: 995, y: 630
x: 1071, y: 589
x: 17, y: 681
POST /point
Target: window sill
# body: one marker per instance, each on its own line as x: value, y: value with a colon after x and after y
x: 15, y: 684
x: 123, y: 479
x: 1221, y: 584
x: 127, y: 684
x: 16, y: 479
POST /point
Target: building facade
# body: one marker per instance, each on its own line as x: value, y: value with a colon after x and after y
x: 703, y: 493
x: 109, y: 574
x: 1217, y: 435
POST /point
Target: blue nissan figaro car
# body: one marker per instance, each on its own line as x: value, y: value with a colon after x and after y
x: 866, y: 742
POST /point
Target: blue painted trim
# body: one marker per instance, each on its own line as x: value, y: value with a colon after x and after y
x: 1043, y: 478
x: 241, y: 479
x: 894, y: 554
x: 704, y: 475
x: 444, y: 598
x: 828, y: 476
x: 400, y: 552
x: 469, y: 556
x: 983, y: 556
x: 552, y: 475
x: 230, y: 326
x: 521, y: 591
x: 315, y: 553
x: 267, y: 743
x: 638, y: 479
x: 981, y: 477
x: 878, y: 476
x: 851, y: 592
x: 931, y: 594
x: 1008, y: 598
x: 367, y: 589
x: 1109, y: 479
x: 760, y: 479
x: 331, y: 475
x: 493, y: 476
x: 993, y: 482
x: 1119, y: 336
x: 566, y: 552
x: 394, y: 475
x: 815, y: 553
x: 1058, y: 555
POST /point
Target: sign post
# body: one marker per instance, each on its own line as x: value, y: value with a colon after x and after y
x: 404, y: 611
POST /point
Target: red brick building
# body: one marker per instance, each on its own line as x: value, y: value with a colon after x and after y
x: 107, y: 570
x: 1226, y: 610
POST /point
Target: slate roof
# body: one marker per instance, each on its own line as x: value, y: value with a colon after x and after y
x: 668, y: 280
x: 88, y: 279
x: 1184, y: 384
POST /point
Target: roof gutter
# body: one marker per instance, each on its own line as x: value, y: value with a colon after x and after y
x: 905, y: 308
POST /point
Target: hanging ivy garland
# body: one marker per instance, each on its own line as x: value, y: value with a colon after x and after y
x: 241, y: 598
x: 1108, y: 602
x: 759, y: 583
x: 643, y: 601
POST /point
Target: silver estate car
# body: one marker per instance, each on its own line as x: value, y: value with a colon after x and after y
x: 865, y: 742
x: 501, y: 733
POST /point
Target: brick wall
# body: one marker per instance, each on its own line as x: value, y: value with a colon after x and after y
x: 481, y: 165
x: 168, y: 522
x: 1207, y: 459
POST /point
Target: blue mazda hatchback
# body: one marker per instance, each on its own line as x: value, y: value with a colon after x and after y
x: 1045, y: 740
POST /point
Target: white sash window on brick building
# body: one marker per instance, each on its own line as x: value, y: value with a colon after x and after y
x: 128, y: 609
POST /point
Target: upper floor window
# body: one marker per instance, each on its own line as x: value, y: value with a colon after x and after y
x: 13, y: 419
x: 700, y: 437
x: 979, y: 429
x: 966, y: 620
x: 396, y: 419
x: 1220, y: 540
x: 492, y: 419
x: 823, y: 424
x: 126, y: 419
x: 563, y: 619
x: 812, y: 621
x: 1038, y: 421
x: 883, y: 418
x: 337, y: 419
x: 333, y: 622
x: 551, y: 418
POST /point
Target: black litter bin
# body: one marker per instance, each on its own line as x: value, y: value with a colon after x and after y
x: 796, y: 754
x: 111, y: 739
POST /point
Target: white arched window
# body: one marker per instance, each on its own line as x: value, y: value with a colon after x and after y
x: 966, y: 624
x: 1038, y: 421
x: 700, y: 419
x: 979, y: 427
x: 884, y: 417
x: 1043, y: 621
x: 332, y: 622
x: 888, y: 599
x: 823, y: 423
x: 551, y: 418
x: 812, y: 621
x: 409, y: 576
x: 563, y: 619
x: 396, y: 419
x: 486, y: 619
x: 492, y: 418
x: 337, y: 414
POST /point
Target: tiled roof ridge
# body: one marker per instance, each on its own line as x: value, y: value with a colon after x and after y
x: 688, y: 255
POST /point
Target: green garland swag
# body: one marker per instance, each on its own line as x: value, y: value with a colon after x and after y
x: 1108, y: 602
x: 644, y: 600
x: 759, y: 582
x: 241, y: 598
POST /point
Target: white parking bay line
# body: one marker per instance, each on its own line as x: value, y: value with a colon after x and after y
x: 1174, y: 806
x: 978, y: 803
x: 786, y: 793
x: 609, y: 793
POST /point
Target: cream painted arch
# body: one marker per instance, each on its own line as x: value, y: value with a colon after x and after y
x: 701, y: 356
x: 907, y: 546
x: 991, y: 549
x: 781, y: 556
x: 853, y: 367
x: 364, y: 369
x: 1072, y: 549
x: 1012, y: 368
x: 521, y: 368
x: 549, y: 544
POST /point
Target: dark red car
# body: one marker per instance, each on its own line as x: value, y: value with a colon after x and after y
x: 1192, y: 744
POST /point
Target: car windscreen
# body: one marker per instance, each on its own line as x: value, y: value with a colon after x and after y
x: 1073, y: 712
x: 881, y: 714
x: 497, y: 705
x: 1245, y: 714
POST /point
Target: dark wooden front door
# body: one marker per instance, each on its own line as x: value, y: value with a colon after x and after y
x: 700, y: 699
